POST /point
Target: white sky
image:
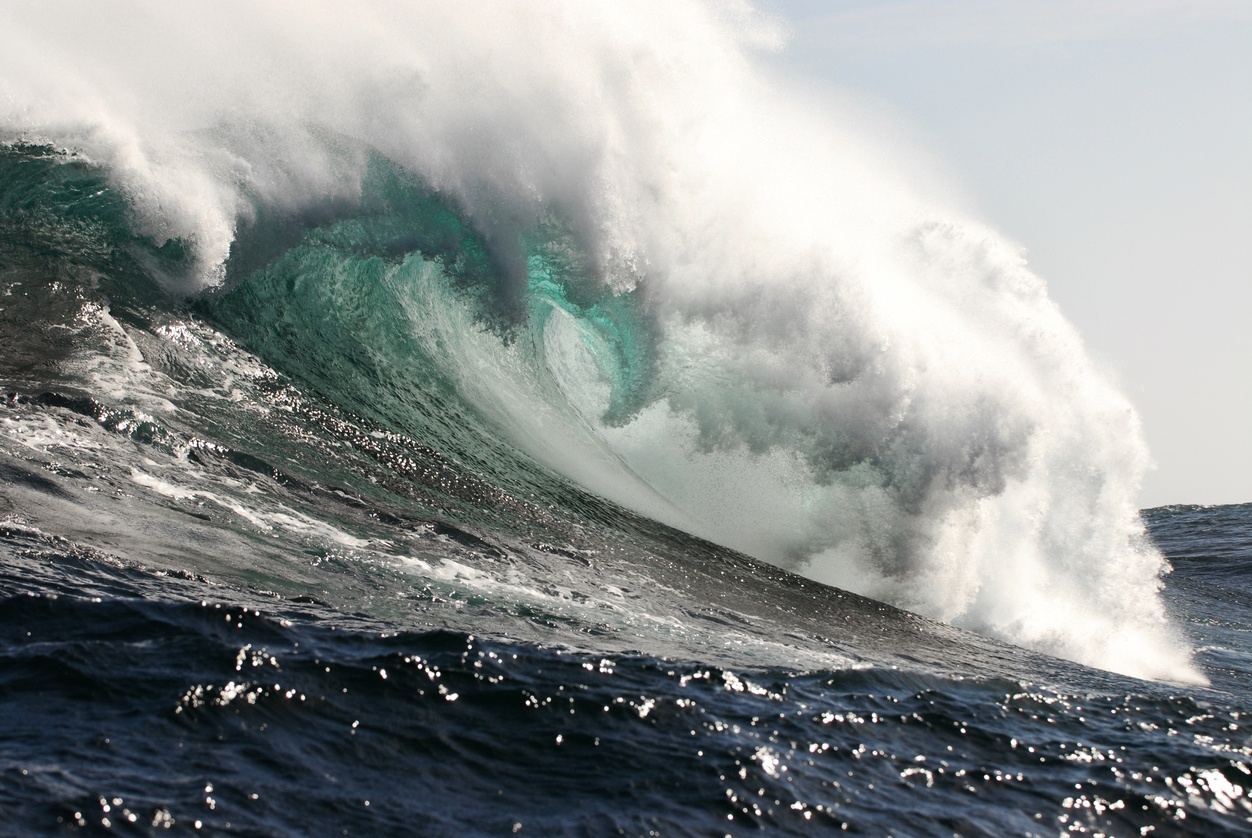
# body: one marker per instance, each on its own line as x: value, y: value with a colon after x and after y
x: 1111, y: 138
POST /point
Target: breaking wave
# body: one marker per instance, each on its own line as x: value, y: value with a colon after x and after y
x: 597, y: 240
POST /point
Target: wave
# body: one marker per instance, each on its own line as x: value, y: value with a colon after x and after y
x: 599, y: 239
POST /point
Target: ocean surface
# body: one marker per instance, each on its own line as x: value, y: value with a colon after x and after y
x: 267, y: 607
x: 487, y: 441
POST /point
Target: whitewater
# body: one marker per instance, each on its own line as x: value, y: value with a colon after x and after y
x: 465, y: 396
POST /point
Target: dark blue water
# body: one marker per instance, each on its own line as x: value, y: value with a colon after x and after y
x: 139, y: 700
x: 251, y: 585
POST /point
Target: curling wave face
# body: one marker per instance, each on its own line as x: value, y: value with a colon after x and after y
x: 598, y: 240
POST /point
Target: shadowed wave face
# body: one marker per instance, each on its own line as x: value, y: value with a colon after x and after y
x: 583, y: 251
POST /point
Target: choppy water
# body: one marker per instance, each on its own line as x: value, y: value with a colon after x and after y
x: 453, y: 699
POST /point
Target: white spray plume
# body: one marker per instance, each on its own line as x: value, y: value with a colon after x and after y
x: 855, y: 381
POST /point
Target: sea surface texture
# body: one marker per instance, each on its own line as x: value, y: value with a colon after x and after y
x: 555, y: 426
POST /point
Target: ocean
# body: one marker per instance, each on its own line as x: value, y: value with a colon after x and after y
x: 556, y: 427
